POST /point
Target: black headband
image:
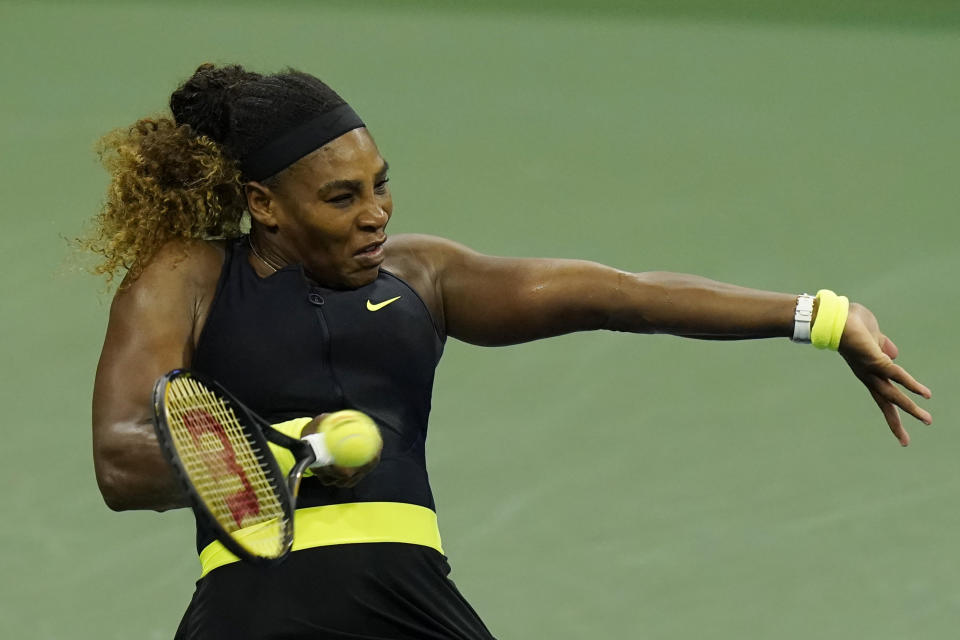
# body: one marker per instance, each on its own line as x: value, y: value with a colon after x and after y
x: 289, y: 147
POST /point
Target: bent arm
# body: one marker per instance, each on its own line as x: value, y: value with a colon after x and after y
x: 150, y: 331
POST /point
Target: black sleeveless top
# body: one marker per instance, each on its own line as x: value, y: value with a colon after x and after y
x: 288, y: 348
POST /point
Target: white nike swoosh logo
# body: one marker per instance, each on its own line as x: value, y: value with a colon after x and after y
x: 380, y: 305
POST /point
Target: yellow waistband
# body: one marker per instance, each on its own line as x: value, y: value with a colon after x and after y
x: 350, y: 523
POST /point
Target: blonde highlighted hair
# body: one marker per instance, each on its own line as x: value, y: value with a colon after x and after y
x: 167, y: 183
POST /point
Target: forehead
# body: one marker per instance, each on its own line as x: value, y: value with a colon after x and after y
x: 352, y: 156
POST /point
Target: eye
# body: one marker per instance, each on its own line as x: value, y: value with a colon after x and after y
x: 381, y: 187
x: 343, y: 198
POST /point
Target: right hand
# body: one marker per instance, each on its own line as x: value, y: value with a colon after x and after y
x: 334, y: 475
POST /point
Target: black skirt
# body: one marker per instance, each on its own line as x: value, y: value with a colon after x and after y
x: 369, y: 591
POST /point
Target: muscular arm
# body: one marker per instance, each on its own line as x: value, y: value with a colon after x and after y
x: 496, y: 301
x: 151, y: 330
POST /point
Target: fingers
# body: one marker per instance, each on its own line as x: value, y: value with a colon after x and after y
x: 889, y: 392
x: 344, y: 477
x: 892, y: 417
x: 900, y: 375
x: 337, y: 477
x: 888, y: 347
x: 314, y: 425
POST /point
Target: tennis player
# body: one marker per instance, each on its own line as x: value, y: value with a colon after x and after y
x: 315, y: 310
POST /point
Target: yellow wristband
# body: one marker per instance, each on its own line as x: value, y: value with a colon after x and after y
x: 831, y: 318
x: 284, y: 456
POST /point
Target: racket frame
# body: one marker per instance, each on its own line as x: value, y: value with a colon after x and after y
x: 259, y: 432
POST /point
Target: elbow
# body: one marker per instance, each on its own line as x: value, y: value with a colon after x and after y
x: 111, y: 481
x: 630, y: 304
x: 119, y: 493
x: 130, y: 484
x: 114, y: 500
x: 114, y: 464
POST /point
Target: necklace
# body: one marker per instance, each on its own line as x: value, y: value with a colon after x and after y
x: 256, y: 252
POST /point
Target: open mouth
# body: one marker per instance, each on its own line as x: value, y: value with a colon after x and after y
x: 372, y: 249
x: 370, y: 256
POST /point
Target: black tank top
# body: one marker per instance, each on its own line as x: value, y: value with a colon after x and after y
x: 288, y: 348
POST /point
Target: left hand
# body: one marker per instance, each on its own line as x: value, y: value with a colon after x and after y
x: 870, y: 355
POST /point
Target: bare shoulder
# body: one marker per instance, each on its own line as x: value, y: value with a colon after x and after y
x: 423, y: 241
x: 420, y: 260
x: 423, y: 259
x: 177, y: 264
x: 179, y: 280
x: 421, y: 252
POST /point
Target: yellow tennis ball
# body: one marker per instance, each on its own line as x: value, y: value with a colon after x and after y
x: 352, y: 438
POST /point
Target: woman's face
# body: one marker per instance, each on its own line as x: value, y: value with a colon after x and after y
x: 332, y: 209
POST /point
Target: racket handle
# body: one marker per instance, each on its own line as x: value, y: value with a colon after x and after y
x: 321, y: 452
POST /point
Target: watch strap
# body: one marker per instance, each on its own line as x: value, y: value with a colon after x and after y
x: 802, y: 318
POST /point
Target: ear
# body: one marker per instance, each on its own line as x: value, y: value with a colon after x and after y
x: 262, y: 204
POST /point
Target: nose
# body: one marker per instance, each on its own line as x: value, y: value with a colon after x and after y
x: 373, y: 218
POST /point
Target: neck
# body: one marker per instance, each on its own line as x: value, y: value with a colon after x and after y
x: 266, y: 255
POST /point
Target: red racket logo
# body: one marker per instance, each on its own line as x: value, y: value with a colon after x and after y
x: 223, y: 463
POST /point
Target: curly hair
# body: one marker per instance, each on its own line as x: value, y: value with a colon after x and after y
x: 167, y: 183
x: 180, y: 177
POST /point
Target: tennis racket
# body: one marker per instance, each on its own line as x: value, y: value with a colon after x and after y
x: 219, y: 451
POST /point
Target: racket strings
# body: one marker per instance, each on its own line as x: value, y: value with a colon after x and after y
x: 226, y: 467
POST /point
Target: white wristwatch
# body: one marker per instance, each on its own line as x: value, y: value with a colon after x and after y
x: 802, y: 317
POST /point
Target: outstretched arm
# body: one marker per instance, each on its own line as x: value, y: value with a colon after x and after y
x: 495, y: 301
